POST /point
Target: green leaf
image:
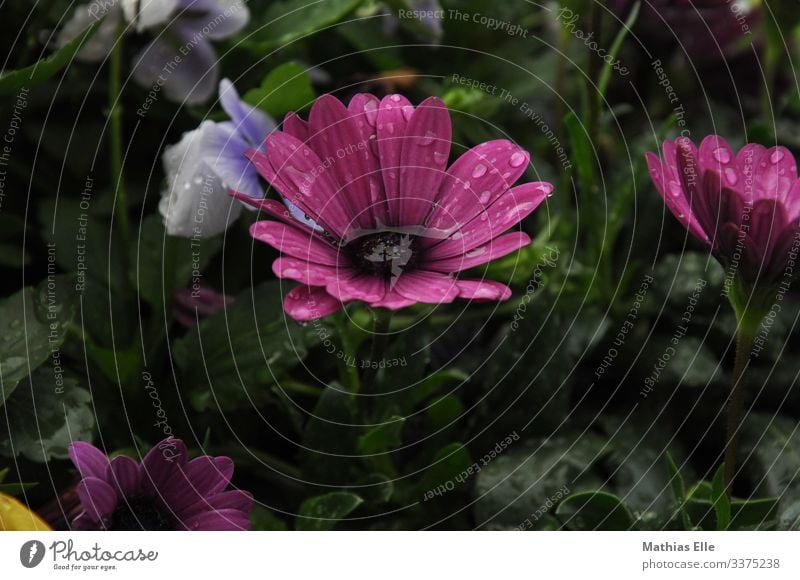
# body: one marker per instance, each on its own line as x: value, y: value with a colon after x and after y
x: 32, y: 326
x: 286, y: 21
x: 264, y: 520
x: 376, y: 488
x: 448, y: 463
x: 582, y: 152
x: 719, y: 497
x: 164, y: 263
x: 325, y: 511
x: 286, y: 88
x: 223, y: 360
x: 45, y: 415
x: 520, y: 487
x: 445, y: 411
x: 678, y: 489
x: 330, y: 440
x: 594, y: 510
x: 773, y: 456
x: 42, y: 70
x: 383, y: 437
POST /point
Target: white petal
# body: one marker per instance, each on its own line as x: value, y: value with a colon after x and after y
x: 101, y: 42
x: 194, y: 203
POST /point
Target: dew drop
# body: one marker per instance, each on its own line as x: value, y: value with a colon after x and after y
x: 390, y: 128
x: 395, y: 98
x: 730, y: 175
x: 722, y: 155
x: 675, y: 188
x: 198, y: 180
x: 517, y: 159
x: 187, y: 185
x: 484, y: 197
x: 408, y: 110
x: 467, y: 184
x: 479, y: 170
x: 776, y: 156
x: 427, y: 139
x: 291, y: 272
x: 440, y: 157
x: 476, y: 252
x: 371, y: 110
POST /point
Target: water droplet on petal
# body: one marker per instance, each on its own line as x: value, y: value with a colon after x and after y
x: 722, y: 155
x: 479, y: 170
x: 484, y: 216
x: 371, y: 111
x: 467, y: 184
x: 291, y: 272
x: 390, y: 128
x: 395, y: 98
x: 427, y: 139
x: 408, y: 110
x: 198, y: 180
x: 675, y: 188
x: 476, y: 252
x: 776, y: 156
x: 517, y: 159
x: 187, y: 185
x: 440, y: 157
x: 730, y: 175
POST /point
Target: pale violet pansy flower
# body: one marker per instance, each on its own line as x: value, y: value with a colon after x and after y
x: 179, y: 59
x: 209, y: 162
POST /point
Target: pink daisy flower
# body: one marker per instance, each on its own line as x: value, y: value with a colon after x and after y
x: 163, y: 492
x: 388, y: 223
x: 744, y: 206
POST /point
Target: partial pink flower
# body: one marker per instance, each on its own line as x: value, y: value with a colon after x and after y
x: 166, y: 491
x: 193, y: 304
x: 744, y: 206
x: 391, y: 224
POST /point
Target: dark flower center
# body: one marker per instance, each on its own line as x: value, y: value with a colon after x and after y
x: 384, y: 254
x: 140, y: 514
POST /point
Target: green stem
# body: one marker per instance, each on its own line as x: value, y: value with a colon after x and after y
x: 382, y: 320
x: 115, y: 137
x: 735, y: 404
x: 348, y: 370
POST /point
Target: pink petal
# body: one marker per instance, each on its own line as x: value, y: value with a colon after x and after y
x: 428, y: 287
x: 393, y: 115
x: 305, y: 303
x: 483, y: 290
x: 161, y: 462
x: 426, y: 148
x: 295, y: 126
x: 672, y: 193
x: 98, y: 499
x: 393, y: 301
x: 336, y: 137
x: 508, y: 210
x: 125, y: 474
x: 88, y: 459
x: 303, y: 178
x: 359, y: 287
x: 476, y: 180
x: 496, y: 248
x: 234, y: 499
x: 268, y: 206
x: 296, y: 242
x: 776, y: 172
x: 308, y: 273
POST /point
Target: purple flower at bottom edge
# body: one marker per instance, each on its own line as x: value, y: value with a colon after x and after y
x: 166, y: 491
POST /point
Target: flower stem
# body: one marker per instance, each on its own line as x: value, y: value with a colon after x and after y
x: 735, y: 404
x: 348, y: 369
x: 115, y: 138
x: 382, y: 319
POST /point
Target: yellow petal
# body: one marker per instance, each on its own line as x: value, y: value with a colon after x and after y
x: 16, y: 517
